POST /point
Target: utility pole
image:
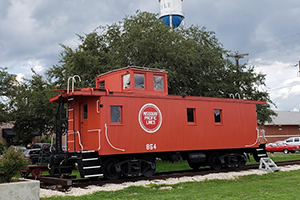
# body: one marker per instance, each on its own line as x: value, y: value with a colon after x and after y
x: 237, y: 56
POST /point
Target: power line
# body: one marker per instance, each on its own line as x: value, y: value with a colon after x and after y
x: 279, y: 47
x: 287, y: 86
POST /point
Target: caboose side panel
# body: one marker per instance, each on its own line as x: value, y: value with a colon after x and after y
x: 213, y: 125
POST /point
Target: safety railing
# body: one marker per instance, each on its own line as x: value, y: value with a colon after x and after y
x: 99, y: 142
x: 73, y: 81
x: 112, y: 146
x: 260, y: 134
x: 70, y: 132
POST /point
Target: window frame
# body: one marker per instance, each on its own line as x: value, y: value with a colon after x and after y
x: 121, y: 115
x: 220, y: 122
x: 194, y: 122
x: 163, y: 84
x: 85, y: 112
x: 123, y: 82
x: 101, y: 84
x: 144, y: 78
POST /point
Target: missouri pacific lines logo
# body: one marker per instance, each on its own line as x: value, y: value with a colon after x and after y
x: 150, y: 118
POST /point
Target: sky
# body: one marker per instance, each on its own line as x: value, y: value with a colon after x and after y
x: 31, y: 32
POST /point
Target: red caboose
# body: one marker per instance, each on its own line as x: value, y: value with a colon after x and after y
x: 128, y: 120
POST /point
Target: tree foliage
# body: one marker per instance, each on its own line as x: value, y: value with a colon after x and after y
x: 195, y: 59
x: 8, y: 84
x: 33, y: 113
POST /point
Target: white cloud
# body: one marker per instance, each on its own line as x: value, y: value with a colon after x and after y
x: 20, y: 77
x: 269, y: 31
x: 295, y: 89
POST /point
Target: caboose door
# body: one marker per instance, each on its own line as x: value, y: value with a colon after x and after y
x: 84, y: 124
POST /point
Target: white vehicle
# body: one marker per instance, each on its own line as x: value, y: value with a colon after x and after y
x: 293, y: 140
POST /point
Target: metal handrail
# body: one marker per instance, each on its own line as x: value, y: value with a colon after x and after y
x: 73, y: 81
x: 109, y: 141
x: 97, y: 106
x: 79, y: 140
x: 257, y: 138
x: 99, y: 131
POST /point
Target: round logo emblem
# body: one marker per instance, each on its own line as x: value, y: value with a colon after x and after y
x: 150, y: 118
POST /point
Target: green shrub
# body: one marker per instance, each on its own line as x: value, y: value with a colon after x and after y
x: 46, y: 139
x: 11, y: 162
x: 2, y: 147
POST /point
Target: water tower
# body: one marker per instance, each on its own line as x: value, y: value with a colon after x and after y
x: 171, y: 12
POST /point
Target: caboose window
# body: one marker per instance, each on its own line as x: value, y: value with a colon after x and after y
x: 126, y: 81
x: 190, y: 114
x: 139, y: 81
x: 115, y: 114
x: 85, y: 111
x: 102, y: 84
x: 158, y: 83
x: 218, y: 115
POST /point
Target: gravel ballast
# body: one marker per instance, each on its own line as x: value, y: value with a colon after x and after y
x: 170, y: 181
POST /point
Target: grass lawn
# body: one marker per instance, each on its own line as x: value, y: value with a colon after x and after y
x: 278, y: 185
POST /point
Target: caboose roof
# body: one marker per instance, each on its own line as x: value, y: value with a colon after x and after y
x: 136, y: 68
x: 134, y: 79
x: 94, y: 92
x: 112, y: 83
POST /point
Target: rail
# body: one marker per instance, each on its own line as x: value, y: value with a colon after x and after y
x: 257, y: 138
x: 231, y: 95
x: 99, y: 131
x: 79, y: 140
x: 112, y: 146
x: 73, y: 81
x: 97, y: 106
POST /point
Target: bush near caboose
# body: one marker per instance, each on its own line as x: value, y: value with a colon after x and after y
x: 2, y: 147
x: 11, y: 162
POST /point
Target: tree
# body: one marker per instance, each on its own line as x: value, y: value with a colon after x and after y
x: 33, y: 113
x: 194, y: 58
x: 242, y: 82
x: 8, y: 84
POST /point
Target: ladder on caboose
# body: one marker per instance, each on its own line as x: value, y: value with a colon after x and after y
x: 268, y: 164
x: 71, y: 112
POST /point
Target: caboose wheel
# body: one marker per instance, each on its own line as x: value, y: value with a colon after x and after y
x: 109, y: 169
x: 149, y: 167
x: 214, y: 161
x: 242, y: 160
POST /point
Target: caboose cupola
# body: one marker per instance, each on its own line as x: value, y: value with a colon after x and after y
x: 134, y: 79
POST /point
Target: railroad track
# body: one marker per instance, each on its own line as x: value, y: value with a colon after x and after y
x: 63, y: 184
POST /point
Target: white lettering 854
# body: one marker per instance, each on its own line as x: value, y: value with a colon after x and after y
x: 150, y: 147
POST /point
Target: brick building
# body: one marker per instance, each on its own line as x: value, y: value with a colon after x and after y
x: 286, y: 124
x: 6, y: 131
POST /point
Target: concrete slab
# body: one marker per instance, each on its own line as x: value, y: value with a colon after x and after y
x: 24, y: 189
